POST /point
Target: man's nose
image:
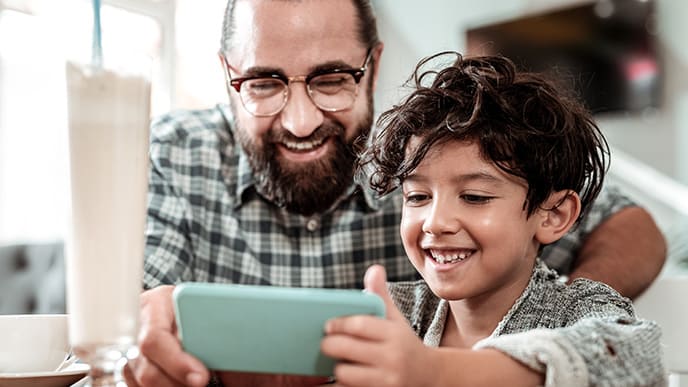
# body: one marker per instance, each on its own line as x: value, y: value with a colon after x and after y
x: 300, y: 116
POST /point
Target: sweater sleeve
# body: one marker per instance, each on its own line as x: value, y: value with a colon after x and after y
x: 604, y: 345
x: 545, y: 351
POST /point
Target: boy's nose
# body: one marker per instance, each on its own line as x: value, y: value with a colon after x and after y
x: 441, y: 220
x: 300, y: 116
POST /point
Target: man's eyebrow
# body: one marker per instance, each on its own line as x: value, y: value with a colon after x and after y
x: 332, y: 65
x: 258, y: 71
x: 266, y: 70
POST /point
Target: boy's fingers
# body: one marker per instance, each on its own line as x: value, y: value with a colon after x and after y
x: 375, y: 281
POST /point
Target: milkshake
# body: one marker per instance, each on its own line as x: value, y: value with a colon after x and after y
x: 109, y: 115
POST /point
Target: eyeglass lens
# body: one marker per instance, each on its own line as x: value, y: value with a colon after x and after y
x: 330, y: 92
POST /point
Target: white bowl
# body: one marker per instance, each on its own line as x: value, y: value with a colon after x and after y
x: 33, y: 342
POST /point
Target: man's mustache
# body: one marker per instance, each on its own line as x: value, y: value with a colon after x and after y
x: 322, y: 132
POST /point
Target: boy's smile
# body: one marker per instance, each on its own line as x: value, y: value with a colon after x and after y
x: 448, y: 256
x: 465, y: 227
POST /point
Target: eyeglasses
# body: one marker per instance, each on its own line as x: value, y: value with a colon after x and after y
x: 330, y: 90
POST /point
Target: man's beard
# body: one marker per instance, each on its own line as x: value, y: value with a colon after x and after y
x: 310, y: 187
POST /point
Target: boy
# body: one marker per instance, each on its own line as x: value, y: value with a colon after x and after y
x: 493, y: 165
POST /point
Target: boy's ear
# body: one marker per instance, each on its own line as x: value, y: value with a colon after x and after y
x: 557, y: 215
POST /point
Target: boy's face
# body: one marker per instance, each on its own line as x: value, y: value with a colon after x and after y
x: 464, y: 226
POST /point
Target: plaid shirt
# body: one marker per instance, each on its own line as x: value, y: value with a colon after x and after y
x: 207, y: 223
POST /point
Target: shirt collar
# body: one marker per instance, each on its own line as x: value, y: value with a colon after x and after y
x: 372, y: 199
x: 245, y: 178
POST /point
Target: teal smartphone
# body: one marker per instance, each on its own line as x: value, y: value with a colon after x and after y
x: 263, y: 329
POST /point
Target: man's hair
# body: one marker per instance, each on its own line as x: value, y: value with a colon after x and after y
x: 367, y: 24
x: 519, y: 120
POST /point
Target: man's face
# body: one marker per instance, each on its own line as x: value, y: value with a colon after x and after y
x: 301, y: 157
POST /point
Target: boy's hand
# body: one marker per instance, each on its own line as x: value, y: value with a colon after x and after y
x: 374, y: 351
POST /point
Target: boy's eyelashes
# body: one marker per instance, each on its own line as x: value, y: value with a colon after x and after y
x: 476, y: 199
x: 417, y: 198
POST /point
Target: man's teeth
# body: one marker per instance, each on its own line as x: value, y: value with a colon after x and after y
x: 449, y: 258
x: 303, y: 145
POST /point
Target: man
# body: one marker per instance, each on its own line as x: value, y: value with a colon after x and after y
x: 263, y: 193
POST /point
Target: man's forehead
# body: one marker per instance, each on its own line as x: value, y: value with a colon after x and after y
x: 295, y: 35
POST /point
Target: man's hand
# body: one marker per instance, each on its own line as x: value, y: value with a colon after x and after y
x: 162, y: 361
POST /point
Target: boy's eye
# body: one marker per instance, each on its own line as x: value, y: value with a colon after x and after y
x: 476, y: 199
x: 415, y: 198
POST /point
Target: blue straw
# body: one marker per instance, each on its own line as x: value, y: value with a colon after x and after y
x: 97, y: 49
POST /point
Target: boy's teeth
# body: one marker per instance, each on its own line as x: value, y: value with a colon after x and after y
x: 448, y: 258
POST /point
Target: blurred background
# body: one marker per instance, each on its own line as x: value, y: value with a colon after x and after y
x: 627, y: 58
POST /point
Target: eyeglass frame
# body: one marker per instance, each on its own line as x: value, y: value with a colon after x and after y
x: 356, y: 73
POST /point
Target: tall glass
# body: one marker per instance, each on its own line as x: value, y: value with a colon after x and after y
x: 109, y: 115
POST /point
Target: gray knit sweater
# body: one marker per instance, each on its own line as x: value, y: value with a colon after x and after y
x: 583, y: 334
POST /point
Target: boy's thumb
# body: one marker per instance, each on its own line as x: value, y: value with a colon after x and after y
x: 375, y: 281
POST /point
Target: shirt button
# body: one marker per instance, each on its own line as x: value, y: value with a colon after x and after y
x: 312, y: 225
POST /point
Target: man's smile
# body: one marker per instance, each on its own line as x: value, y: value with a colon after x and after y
x: 304, y: 151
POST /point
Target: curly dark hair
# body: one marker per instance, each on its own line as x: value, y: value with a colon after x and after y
x: 520, y: 121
